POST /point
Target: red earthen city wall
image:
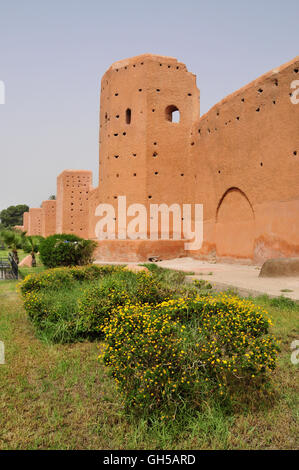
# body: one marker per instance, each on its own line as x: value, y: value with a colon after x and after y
x: 35, y: 221
x: 245, y: 157
x: 138, y: 250
x: 25, y: 221
x: 48, y: 218
x: 94, y: 198
x: 72, y: 202
x: 240, y: 160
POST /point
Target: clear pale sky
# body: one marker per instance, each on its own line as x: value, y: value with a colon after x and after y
x: 53, y: 54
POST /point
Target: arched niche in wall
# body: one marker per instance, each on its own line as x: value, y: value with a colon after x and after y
x: 235, y: 225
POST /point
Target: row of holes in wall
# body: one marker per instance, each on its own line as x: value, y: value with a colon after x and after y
x: 209, y: 130
x: 149, y: 197
x: 160, y: 64
x: 140, y: 90
x: 157, y: 90
x: 262, y: 164
x: 80, y: 192
x: 135, y: 174
x: 172, y: 114
x: 79, y: 204
x: 258, y: 109
x: 78, y: 181
x: 78, y: 178
x: 154, y: 154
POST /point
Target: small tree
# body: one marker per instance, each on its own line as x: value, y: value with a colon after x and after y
x: 14, y: 241
x: 13, y: 215
x: 31, y: 245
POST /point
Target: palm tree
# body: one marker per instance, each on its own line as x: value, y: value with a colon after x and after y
x: 13, y: 241
x: 31, y: 245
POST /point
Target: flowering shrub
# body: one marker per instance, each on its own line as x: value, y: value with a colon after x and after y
x: 183, y: 349
x: 47, y: 279
x: 78, y: 300
x: 52, y: 299
x: 98, y: 301
x: 65, y: 277
x: 35, y: 306
x: 96, y: 304
x: 93, y: 271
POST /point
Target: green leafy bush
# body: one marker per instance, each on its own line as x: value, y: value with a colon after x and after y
x: 66, y: 250
x: 182, y: 351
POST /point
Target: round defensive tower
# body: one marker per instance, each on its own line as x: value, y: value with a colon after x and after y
x: 148, y: 105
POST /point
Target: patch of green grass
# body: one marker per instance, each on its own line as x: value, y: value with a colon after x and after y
x: 284, y: 313
x: 24, y: 271
x: 21, y: 254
